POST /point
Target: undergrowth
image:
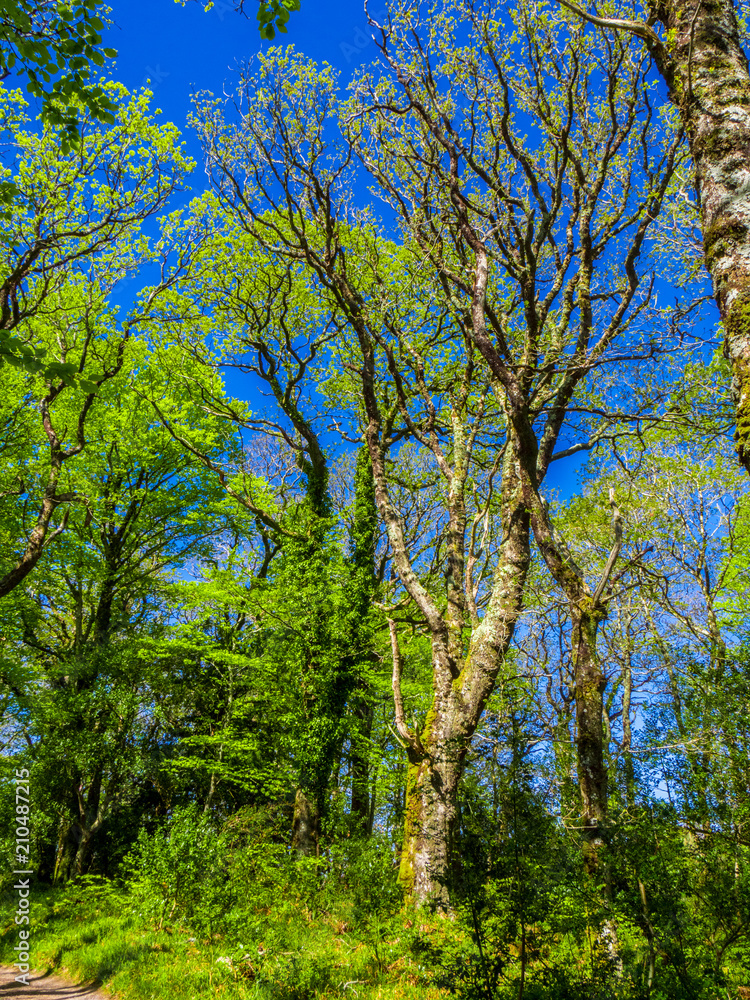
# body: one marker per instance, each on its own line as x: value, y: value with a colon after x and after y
x: 201, y: 912
x: 95, y: 931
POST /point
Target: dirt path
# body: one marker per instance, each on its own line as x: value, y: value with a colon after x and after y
x: 43, y: 987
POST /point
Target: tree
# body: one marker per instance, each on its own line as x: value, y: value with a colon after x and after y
x: 79, y: 679
x: 73, y: 236
x: 223, y: 701
x: 680, y: 637
x: 475, y: 334
x: 704, y: 65
x: 261, y: 320
x: 74, y: 205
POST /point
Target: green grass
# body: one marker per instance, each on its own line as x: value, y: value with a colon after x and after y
x: 96, y: 932
x: 98, y: 935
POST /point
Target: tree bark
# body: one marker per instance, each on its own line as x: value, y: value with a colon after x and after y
x: 590, y: 743
x: 431, y: 788
x: 67, y: 847
x: 363, y: 589
x: 83, y: 854
x: 710, y: 85
x: 91, y: 814
x: 305, y: 824
x: 627, y: 735
x: 460, y: 691
x: 360, y: 806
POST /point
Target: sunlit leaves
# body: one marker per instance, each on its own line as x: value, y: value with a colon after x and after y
x: 54, y: 48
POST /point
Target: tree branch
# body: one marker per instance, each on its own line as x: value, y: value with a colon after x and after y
x: 412, y: 739
x: 617, y: 528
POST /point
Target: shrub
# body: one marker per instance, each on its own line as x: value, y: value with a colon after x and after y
x: 180, y: 871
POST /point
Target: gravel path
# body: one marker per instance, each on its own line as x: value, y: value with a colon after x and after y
x: 43, y: 987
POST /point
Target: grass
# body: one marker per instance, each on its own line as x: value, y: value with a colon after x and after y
x: 96, y: 934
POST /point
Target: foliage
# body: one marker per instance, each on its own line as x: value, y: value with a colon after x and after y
x: 58, y: 44
x: 295, y: 633
x: 77, y: 215
x: 273, y: 15
x: 178, y: 872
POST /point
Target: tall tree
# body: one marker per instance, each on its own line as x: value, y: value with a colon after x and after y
x: 476, y: 335
x: 363, y: 584
x: 148, y: 508
x: 72, y: 236
x: 240, y: 312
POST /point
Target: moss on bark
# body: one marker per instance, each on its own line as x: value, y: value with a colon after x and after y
x: 737, y: 325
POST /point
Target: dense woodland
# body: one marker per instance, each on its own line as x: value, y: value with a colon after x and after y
x: 375, y: 550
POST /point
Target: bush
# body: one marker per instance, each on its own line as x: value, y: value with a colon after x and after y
x: 362, y: 872
x: 180, y: 872
x: 297, y: 977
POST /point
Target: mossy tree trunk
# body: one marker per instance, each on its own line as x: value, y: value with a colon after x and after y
x: 709, y: 82
x: 363, y: 589
x: 362, y: 797
x: 305, y: 824
x: 339, y: 639
x: 590, y: 742
x: 465, y: 665
x: 430, y: 814
x: 67, y: 847
x: 627, y: 735
x: 587, y: 610
x: 706, y: 70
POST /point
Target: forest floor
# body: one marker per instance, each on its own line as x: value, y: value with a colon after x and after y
x: 46, y: 987
x: 97, y: 934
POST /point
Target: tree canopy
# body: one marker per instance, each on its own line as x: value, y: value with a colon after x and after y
x: 373, y: 545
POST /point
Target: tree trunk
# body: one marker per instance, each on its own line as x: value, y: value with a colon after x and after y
x: 83, y: 854
x: 67, y: 846
x: 305, y: 824
x: 587, y: 610
x: 90, y: 813
x: 710, y: 85
x: 627, y: 735
x: 461, y: 687
x: 592, y: 770
x: 468, y: 653
x: 40, y: 536
x: 425, y: 868
x: 360, y: 807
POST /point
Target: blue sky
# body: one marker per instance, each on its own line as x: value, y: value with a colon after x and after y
x: 177, y: 50
x: 181, y: 49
